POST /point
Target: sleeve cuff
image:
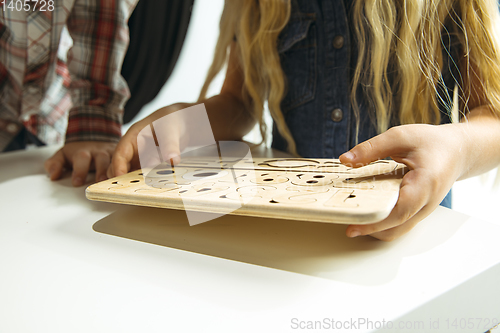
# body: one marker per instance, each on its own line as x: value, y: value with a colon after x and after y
x: 93, y: 124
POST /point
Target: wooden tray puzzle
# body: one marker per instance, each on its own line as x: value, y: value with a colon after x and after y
x: 320, y: 190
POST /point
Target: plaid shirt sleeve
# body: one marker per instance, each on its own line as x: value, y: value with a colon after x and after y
x: 98, y: 91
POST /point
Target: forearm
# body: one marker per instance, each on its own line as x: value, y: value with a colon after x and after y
x: 480, y: 146
x: 229, y: 119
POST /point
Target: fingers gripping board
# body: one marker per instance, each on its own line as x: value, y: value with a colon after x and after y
x: 321, y: 190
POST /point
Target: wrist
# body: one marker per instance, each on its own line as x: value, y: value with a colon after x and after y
x: 479, y: 137
x: 463, y: 148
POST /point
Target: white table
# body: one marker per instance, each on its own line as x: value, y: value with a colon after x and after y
x: 230, y: 275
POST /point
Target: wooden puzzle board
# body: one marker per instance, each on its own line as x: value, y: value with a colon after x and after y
x: 320, y: 190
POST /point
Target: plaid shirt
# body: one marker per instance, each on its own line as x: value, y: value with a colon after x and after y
x: 60, y: 61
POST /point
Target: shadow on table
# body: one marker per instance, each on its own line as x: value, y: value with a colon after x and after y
x: 315, y: 249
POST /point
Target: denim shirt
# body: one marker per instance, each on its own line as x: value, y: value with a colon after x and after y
x: 317, y: 57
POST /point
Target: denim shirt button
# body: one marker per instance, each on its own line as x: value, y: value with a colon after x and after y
x: 337, y: 115
x: 338, y: 42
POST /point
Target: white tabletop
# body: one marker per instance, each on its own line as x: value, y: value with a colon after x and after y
x: 71, y: 265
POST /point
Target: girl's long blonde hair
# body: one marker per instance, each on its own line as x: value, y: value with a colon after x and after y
x: 400, y: 56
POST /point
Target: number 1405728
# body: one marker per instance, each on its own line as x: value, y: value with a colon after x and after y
x: 27, y: 5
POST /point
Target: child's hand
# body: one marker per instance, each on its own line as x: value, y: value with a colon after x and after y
x: 126, y: 155
x: 125, y: 158
x: 432, y: 153
x: 82, y: 157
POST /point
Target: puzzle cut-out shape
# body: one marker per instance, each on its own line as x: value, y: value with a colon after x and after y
x: 319, y: 190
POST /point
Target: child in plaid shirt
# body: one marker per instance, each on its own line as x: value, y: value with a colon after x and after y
x: 60, y: 65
